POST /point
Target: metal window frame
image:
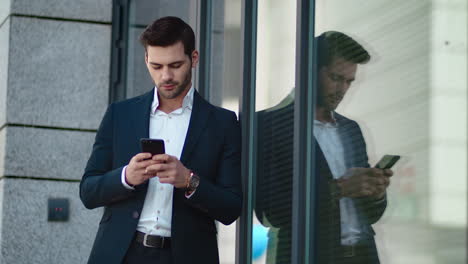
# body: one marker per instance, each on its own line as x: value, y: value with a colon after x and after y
x: 303, y: 244
x: 119, y: 49
x: 304, y: 188
x: 247, y: 120
x: 205, y: 39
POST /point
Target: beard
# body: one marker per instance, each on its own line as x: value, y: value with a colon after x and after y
x: 329, y: 101
x: 179, y: 87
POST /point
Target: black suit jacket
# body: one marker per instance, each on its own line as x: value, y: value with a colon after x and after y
x: 274, y: 169
x: 211, y: 149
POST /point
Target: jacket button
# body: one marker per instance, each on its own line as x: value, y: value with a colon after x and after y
x: 136, y: 214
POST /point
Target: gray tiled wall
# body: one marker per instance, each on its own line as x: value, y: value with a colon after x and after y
x: 54, y: 86
x: 58, y: 73
x: 97, y: 10
x: 29, y: 238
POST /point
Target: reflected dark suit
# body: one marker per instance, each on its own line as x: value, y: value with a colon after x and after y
x: 274, y: 185
x: 211, y: 149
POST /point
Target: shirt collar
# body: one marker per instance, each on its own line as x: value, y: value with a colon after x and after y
x: 186, y: 103
x: 333, y: 124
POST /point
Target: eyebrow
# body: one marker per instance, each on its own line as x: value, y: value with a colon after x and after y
x: 157, y: 64
x: 343, y: 77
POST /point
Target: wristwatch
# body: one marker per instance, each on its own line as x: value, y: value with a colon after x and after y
x: 193, y: 182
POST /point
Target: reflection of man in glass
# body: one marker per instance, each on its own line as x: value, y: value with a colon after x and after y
x: 351, y: 196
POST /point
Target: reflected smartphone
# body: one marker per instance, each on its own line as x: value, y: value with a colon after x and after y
x: 153, y: 146
x: 387, y: 161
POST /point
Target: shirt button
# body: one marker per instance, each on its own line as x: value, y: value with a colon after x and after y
x: 157, y: 227
x: 159, y: 211
x: 161, y: 188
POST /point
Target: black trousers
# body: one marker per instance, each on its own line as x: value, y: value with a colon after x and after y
x: 139, y: 254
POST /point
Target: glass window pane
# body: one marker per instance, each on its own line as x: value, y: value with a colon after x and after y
x: 275, y: 71
x: 143, y: 12
x: 410, y: 99
x: 225, y: 88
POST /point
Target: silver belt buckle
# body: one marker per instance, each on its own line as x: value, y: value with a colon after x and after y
x: 145, y: 240
x: 349, y: 251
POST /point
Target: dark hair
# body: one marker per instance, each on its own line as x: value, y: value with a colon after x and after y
x: 168, y: 31
x: 334, y: 44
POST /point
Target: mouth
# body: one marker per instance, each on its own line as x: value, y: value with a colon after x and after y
x: 335, y: 100
x: 168, y: 86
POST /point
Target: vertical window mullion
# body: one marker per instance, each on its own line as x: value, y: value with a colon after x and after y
x: 204, y: 69
x: 304, y: 213
x: 247, y: 113
x: 119, y: 50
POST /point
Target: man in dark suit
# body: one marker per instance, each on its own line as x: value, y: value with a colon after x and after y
x: 350, y: 195
x: 162, y: 208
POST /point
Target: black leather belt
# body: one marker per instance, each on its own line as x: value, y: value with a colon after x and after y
x: 152, y: 241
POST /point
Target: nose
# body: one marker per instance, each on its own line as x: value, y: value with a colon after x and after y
x: 342, y: 86
x: 167, y: 75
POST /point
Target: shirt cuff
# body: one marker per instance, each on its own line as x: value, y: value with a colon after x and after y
x: 122, y: 178
x: 187, y: 195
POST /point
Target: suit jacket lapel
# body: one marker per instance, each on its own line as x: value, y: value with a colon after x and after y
x: 200, y: 114
x: 141, y: 115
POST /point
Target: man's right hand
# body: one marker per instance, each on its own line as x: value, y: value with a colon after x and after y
x: 135, y: 173
x: 365, y: 182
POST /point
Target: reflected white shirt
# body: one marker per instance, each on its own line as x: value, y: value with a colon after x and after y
x: 329, y: 140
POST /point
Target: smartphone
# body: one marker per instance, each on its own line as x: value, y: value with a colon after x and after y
x: 387, y: 161
x: 153, y: 146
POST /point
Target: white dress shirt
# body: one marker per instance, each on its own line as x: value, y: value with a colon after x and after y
x: 156, y: 216
x: 329, y: 140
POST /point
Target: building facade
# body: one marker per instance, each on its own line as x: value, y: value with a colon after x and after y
x: 62, y: 62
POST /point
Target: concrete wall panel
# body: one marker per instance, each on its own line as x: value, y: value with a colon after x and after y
x: 46, y: 153
x: 98, y: 10
x: 29, y: 238
x: 58, y: 73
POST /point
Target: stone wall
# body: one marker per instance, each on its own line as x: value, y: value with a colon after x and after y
x: 54, y: 86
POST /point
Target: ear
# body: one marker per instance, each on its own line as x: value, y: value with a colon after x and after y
x: 195, y: 57
x: 146, y: 57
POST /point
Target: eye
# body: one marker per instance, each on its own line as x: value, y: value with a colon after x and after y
x: 176, y: 65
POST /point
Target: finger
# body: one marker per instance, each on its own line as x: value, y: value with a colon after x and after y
x: 388, y: 173
x: 380, y: 181
x: 140, y: 166
x: 143, y: 164
x: 386, y: 181
x: 379, y: 193
x: 157, y: 168
x: 164, y: 174
x: 141, y: 156
x: 165, y: 158
x: 374, y: 172
x: 373, y: 190
x: 166, y: 180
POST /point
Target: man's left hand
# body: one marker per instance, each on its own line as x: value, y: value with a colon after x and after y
x: 169, y: 170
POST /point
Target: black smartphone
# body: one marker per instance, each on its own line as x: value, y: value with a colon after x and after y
x: 153, y: 146
x: 387, y: 161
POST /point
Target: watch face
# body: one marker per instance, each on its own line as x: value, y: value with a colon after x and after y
x: 194, y: 181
